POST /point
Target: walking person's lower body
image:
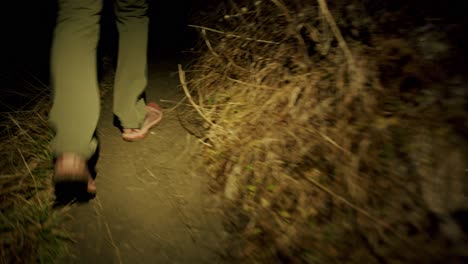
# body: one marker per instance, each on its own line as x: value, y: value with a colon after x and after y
x: 76, y: 105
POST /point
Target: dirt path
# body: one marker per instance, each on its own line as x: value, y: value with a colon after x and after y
x: 149, y: 208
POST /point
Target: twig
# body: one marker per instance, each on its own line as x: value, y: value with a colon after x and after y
x: 204, y: 143
x: 20, y: 128
x: 236, y: 8
x: 331, y: 141
x: 152, y: 174
x: 355, y: 73
x: 187, y: 93
x: 232, y: 35
x: 30, y: 173
x: 37, y: 80
x: 208, y: 44
x: 336, y: 31
x: 177, y: 104
x: 281, y: 5
x: 251, y: 84
x: 239, y: 14
x: 40, y: 117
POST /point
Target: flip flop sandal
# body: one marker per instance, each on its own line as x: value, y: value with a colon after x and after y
x: 154, y: 115
x: 72, y: 178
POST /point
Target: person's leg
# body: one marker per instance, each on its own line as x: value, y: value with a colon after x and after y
x: 131, y: 75
x: 75, y: 111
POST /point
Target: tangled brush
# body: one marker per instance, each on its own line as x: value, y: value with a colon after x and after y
x: 323, y: 148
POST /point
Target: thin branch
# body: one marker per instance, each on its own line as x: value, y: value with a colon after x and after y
x: 336, y: 31
x: 354, y: 72
x: 30, y: 173
x: 251, y: 84
x: 208, y: 44
x: 177, y: 104
x: 281, y: 5
x: 234, y: 36
x: 187, y: 93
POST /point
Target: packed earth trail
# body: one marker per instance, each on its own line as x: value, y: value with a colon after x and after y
x: 149, y: 207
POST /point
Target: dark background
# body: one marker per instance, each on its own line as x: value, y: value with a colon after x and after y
x: 27, y: 28
x: 27, y: 34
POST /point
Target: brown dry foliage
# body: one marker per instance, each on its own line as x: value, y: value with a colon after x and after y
x: 30, y: 230
x: 321, y: 155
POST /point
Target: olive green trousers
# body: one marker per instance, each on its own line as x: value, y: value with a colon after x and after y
x: 76, y: 103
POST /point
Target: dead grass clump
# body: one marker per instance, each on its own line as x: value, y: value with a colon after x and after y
x: 325, y: 149
x: 31, y: 230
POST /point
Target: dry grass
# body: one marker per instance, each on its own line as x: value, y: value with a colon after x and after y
x: 319, y: 153
x: 31, y: 230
